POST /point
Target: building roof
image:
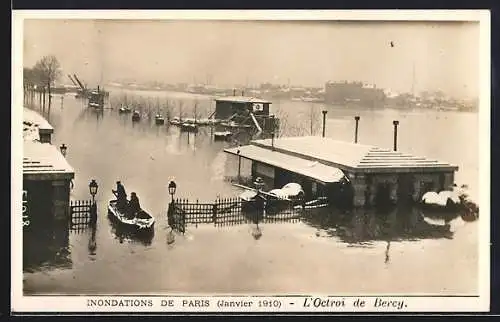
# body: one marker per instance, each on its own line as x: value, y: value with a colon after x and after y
x: 30, y: 116
x: 241, y: 99
x: 35, y: 118
x: 311, y: 169
x: 43, y: 161
x: 352, y: 157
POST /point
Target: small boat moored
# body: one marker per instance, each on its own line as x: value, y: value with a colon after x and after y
x: 141, y: 220
x: 189, y: 127
x: 136, y: 116
x: 176, y: 121
x: 124, y: 109
x: 224, y: 135
x: 159, y: 120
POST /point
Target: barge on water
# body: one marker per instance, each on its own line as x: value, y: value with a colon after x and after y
x: 241, y: 113
x: 97, y: 98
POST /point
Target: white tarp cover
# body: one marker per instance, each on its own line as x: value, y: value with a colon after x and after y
x: 441, y: 198
x: 315, y: 170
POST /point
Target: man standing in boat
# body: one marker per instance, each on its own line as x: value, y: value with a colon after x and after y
x: 121, y: 197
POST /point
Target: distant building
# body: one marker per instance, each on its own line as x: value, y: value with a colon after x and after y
x: 345, y: 93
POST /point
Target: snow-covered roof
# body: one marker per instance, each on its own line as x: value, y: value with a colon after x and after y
x: 344, y: 155
x: 44, y: 161
x: 314, y: 170
x: 30, y: 116
x: 241, y: 99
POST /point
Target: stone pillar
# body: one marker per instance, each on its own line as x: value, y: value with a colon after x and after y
x: 417, y: 186
x: 359, y: 186
x: 394, y: 190
x: 60, y: 199
x: 373, y: 192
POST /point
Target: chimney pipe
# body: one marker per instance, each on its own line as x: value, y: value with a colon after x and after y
x: 324, y: 121
x: 356, y: 118
x: 395, y: 123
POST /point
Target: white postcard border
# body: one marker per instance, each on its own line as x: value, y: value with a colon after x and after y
x: 20, y: 303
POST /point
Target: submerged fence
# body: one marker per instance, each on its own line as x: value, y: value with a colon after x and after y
x: 231, y: 211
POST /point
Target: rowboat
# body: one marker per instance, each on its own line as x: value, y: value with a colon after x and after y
x: 136, y: 116
x: 140, y: 221
x: 124, y: 109
x: 222, y: 135
x: 189, y: 127
x: 176, y: 121
x: 159, y: 120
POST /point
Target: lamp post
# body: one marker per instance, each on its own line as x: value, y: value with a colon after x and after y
x: 93, y: 189
x: 356, y: 118
x: 239, y: 166
x: 172, y: 186
x: 395, y: 123
x: 63, y: 148
x: 259, y: 184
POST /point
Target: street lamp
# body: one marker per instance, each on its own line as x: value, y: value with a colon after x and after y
x: 259, y: 184
x: 239, y: 166
x: 63, y: 149
x: 324, y: 121
x: 93, y: 189
x: 171, y: 189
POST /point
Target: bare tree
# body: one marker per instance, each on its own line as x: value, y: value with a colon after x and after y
x: 313, y: 118
x: 286, y: 126
x: 48, y: 70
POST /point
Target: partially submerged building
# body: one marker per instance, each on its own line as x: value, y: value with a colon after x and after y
x: 46, y: 190
x: 46, y: 181
x: 374, y: 175
x: 46, y: 172
x: 241, y: 112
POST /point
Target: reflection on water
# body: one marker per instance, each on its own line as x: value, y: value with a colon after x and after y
x: 108, y: 146
x: 125, y: 234
x: 361, y: 227
x: 46, y: 246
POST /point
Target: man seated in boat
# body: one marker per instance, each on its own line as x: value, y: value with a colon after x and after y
x: 121, y: 197
x: 133, y: 205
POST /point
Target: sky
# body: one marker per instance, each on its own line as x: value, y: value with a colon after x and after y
x: 425, y: 55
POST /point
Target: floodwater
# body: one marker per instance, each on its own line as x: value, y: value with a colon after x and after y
x: 401, y: 252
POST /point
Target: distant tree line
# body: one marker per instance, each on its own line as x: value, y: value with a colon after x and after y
x: 41, y: 78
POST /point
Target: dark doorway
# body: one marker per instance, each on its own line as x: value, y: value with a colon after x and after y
x: 383, y: 195
x: 340, y: 194
x: 405, y: 188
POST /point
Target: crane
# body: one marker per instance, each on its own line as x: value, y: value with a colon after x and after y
x: 73, y: 81
x: 79, y: 83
